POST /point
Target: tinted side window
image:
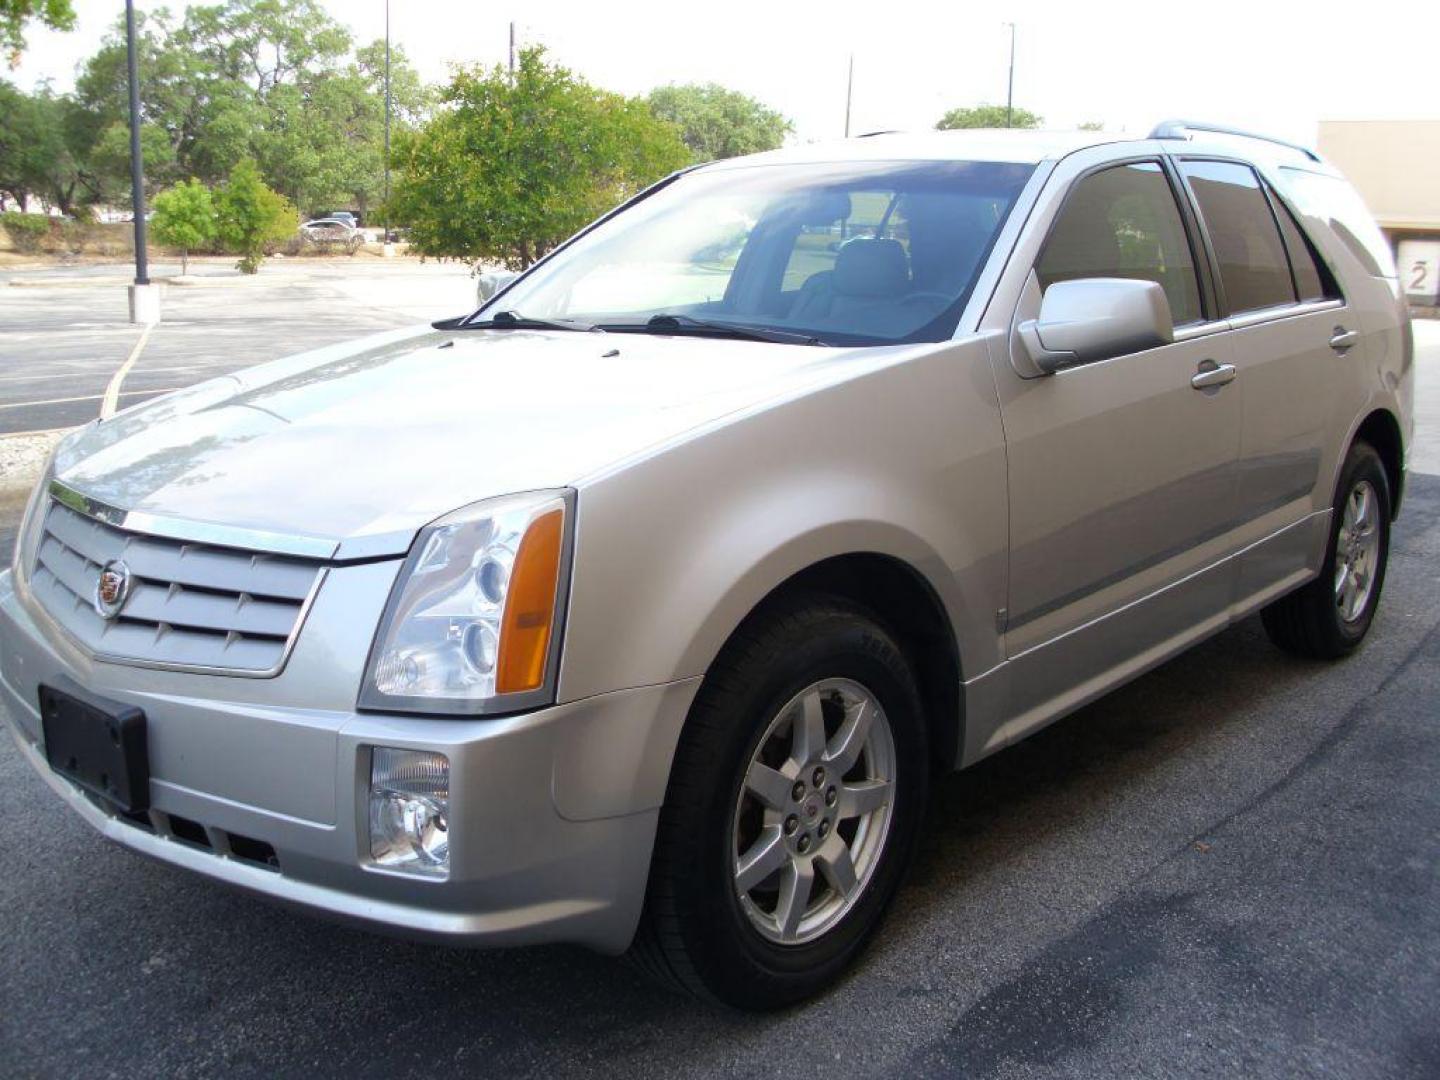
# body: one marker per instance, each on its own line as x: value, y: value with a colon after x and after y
x: 1122, y: 222
x: 1310, y: 280
x: 1253, y: 266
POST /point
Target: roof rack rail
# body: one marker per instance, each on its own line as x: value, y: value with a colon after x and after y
x: 1177, y: 129
x: 882, y: 131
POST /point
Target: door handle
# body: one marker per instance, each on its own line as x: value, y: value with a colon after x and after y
x: 1212, y: 375
x: 1344, y: 339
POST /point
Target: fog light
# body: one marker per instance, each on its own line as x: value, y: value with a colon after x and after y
x: 409, y: 811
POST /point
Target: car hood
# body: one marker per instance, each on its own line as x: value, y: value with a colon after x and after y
x: 362, y: 444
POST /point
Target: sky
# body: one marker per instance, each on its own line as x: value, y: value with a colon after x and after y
x: 1259, y: 64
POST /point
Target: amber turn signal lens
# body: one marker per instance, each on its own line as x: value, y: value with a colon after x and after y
x: 530, y: 606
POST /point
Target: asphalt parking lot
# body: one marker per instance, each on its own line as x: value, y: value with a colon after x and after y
x: 1230, y: 867
x: 64, y: 331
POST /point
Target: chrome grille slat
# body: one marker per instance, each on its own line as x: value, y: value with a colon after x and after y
x: 191, y: 606
x: 72, y: 569
x: 82, y: 534
x: 224, y: 612
x: 217, y: 568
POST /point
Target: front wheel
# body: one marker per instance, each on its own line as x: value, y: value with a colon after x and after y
x: 1330, y: 616
x: 794, y: 803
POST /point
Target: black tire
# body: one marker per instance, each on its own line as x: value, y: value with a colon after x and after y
x: 1308, y: 622
x: 694, y: 935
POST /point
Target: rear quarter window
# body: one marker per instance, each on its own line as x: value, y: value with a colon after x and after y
x: 1336, y: 203
x: 1311, y: 281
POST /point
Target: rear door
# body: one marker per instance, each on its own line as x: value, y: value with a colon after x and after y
x: 1291, y: 336
x: 1122, y: 473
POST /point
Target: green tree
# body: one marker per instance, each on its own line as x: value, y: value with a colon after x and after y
x: 264, y: 79
x: 178, y: 95
x: 987, y: 116
x: 272, y: 80
x: 718, y: 123
x: 14, y: 14
x: 184, y: 218
x: 1092, y: 125
x: 249, y: 216
x: 512, y: 166
x: 324, y: 142
x: 107, y: 172
x: 264, y: 43
x: 57, y: 163
x: 30, y: 143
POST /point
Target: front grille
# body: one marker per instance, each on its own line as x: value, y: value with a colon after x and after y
x: 191, y: 606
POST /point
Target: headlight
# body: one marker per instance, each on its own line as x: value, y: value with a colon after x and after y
x: 410, y: 810
x: 473, y: 623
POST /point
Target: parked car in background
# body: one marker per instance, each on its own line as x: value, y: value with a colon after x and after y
x: 347, y: 216
x: 333, y: 235
x: 638, y: 608
x: 489, y: 283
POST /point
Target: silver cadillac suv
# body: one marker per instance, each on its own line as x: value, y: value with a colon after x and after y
x: 637, y: 608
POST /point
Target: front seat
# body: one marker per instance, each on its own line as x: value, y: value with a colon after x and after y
x: 860, y: 293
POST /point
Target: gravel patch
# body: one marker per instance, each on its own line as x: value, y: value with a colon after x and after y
x: 21, y: 459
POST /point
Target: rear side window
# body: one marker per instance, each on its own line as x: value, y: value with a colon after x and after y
x: 1123, y: 222
x: 1253, y: 268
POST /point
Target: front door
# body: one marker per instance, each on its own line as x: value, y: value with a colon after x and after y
x: 1122, y: 472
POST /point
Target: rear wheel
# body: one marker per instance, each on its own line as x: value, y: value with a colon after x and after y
x: 1331, y: 616
x: 794, y: 803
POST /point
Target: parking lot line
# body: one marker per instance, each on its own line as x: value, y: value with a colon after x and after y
x: 112, y: 392
x: 83, y: 397
x: 77, y: 374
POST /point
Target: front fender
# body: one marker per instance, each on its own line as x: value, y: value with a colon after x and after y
x: 904, y: 460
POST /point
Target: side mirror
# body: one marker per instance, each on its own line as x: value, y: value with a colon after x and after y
x: 491, y: 282
x: 1096, y: 319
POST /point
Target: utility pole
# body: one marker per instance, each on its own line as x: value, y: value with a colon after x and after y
x: 144, y: 297
x: 849, y: 92
x: 512, y: 51
x: 385, y: 216
x: 1010, y: 89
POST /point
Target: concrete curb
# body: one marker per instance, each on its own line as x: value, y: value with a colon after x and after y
x: 179, y: 281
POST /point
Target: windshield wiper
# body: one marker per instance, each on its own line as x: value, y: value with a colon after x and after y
x: 666, y: 323
x: 513, y: 320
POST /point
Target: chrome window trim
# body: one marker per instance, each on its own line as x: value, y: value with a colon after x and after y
x: 1280, y: 312
x: 198, y: 532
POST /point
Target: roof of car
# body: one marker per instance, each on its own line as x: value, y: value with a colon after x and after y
x: 1024, y: 147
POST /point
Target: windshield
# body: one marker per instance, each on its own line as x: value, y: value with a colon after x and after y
x: 845, y: 254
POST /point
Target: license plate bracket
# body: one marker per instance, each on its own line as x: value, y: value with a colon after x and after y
x: 98, y: 744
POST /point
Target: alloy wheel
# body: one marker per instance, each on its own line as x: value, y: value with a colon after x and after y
x: 813, y: 813
x: 1357, y: 550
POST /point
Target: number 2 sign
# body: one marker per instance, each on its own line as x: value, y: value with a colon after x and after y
x: 1420, y: 270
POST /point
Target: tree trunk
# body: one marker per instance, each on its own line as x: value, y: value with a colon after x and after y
x: 184, y: 261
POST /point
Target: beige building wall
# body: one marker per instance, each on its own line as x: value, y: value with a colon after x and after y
x: 1395, y: 165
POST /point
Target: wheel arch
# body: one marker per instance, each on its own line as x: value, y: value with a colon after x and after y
x: 1381, y: 430
x: 907, y: 604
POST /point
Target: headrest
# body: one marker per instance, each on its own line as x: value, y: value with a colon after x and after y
x: 871, y: 267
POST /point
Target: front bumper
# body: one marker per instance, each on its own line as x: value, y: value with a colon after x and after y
x: 552, y: 813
